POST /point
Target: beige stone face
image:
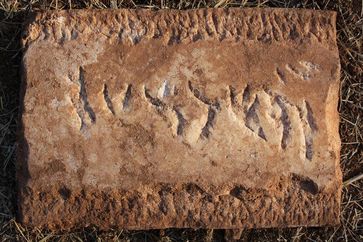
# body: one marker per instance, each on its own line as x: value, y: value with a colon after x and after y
x: 207, y: 118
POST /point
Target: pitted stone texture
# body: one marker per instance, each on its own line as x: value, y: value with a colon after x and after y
x: 218, y: 118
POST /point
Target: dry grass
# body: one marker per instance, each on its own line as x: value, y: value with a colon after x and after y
x: 350, y: 36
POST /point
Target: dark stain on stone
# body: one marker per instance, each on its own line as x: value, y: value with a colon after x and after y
x: 65, y: 193
x: 306, y: 184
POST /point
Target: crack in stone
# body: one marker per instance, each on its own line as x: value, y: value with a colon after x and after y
x: 309, y: 128
x: 286, y: 123
x: 181, y: 121
x: 107, y: 99
x: 308, y: 133
x: 232, y: 95
x: 164, y: 90
x: 281, y: 75
x: 199, y: 95
x: 153, y: 100
x: 309, y: 148
x: 212, y: 113
x: 246, y: 94
x: 127, y: 98
x: 310, y: 117
x: 252, y: 120
x: 215, y: 22
x: 80, y: 113
x: 213, y: 108
x: 83, y: 96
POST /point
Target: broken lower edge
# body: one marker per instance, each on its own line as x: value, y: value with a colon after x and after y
x: 294, y: 201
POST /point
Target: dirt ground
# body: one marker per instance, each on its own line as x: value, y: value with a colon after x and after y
x: 350, y: 38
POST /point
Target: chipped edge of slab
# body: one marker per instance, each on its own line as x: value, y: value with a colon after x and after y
x: 296, y: 202
x: 184, y: 26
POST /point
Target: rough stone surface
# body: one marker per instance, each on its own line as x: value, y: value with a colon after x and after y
x: 219, y: 118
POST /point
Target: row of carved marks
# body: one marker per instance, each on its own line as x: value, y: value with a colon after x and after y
x: 273, y: 118
x: 84, y: 109
x: 213, y: 109
x: 267, y: 114
x: 163, y: 107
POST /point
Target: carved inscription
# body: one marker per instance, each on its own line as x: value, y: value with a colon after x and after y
x: 264, y: 113
x: 273, y: 118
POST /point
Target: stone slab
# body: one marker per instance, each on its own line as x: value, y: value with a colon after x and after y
x: 213, y: 118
